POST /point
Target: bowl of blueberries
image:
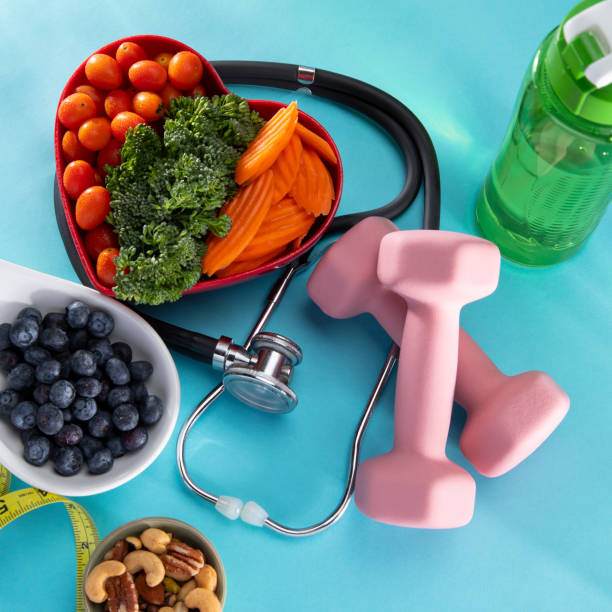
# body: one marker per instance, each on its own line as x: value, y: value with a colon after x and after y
x: 89, y: 393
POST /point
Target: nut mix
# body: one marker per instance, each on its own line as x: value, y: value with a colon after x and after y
x: 153, y: 573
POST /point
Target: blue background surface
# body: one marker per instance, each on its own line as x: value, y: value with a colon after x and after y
x: 541, y: 535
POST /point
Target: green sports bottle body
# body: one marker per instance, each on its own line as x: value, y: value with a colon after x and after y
x: 552, y: 179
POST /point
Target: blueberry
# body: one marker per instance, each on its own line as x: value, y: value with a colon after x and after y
x: 49, y: 419
x: 115, y: 446
x: 67, y: 415
x: 20, y: 377
x: 41, y: 394
x: 119, y: 395
x: 139, y: 392
x: 77, y: 314
x: 100, y: 424
x: 26, y: 434
x: 100, y: 324
x: 48, y: 371
x: 104, y: 391
x: 62, y: 393
x: 55, y: 320
x: 135, y: 439
x: 140, y: 370
x: 117, y: 371
x: 35, y: 355
x: 8, y: 360
x: 84, y: 408
x: 88, y: 387
x: 77, y: 339
x: 24, y: 332
x: 65, y: 358
x: 68, y: 460
x: 54, y: 339
x: 83, y: 363
x: 36, y: 450
x: 123, y: 351
x: 69, y: 435
x: 101, y: 462
x: 90, y: 446
x: 9, y: 398
x: 151, y: 410
x: 102, y: 350
x: 23, y: 415
x: 125, y: 417
x: 32, y: 313
x: 5, y: 341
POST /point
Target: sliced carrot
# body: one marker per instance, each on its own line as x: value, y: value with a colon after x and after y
x: 313, y: 188
x: 317, y: 143
x: 247, y: 212
x: 285, y: 222
x: 286, y: 166
x: 265, y: 148
x: 237, y: 267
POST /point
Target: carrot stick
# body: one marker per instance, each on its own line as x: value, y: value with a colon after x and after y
x: 313, y: 188
x: 285, y: 222
x: 286, y: 166
x: 247, y: 212
x: 265, y: 148
x: 317, y: 143
x: 238, y: 267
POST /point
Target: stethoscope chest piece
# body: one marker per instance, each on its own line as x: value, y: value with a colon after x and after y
x: 264, y: 382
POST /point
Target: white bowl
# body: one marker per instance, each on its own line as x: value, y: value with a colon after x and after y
x: 24, y: 287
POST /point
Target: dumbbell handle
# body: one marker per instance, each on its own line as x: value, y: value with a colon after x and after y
x: 477, y: 375
x: 426, y: 375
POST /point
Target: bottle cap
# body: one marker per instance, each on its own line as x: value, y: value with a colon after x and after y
x: 579, y: 61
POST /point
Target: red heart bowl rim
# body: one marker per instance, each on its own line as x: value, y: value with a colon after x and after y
x: 213, y: 84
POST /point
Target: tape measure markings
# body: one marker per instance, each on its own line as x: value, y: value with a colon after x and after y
x: 17, y: 503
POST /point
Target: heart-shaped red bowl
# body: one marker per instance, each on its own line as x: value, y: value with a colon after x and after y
x: 73, y: 236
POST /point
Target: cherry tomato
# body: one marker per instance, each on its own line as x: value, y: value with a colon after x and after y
x: 78, y: 176
x: 92, y: 207
x: 122, y: 122
x: 95, y: 133
x: 129, y: 53
x: 147, y: 75
x: 169, y: 92
x: 75, y: 109
x: 105, y: 267
x: 100, y: 238
x: 198, y: 90
x: 73, y: 149
x: 185, y: 70
x: 148, y: 105
x: 163, y: 59
x: 95, y: 94
x: 110, y: 155
x: 103, y: 71
x: 116, y: 102
x: 98, y: 180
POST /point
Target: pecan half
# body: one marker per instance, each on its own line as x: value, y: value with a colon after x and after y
x: 118, y: 551
x: 153, y: 595
x: 181, y: 561
x: 122, y: 595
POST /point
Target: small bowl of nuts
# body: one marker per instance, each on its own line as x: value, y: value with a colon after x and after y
x: 154, y: 564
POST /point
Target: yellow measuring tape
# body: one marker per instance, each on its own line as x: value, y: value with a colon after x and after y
x: 17, y: 503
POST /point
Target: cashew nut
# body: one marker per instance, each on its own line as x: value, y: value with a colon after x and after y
x: 134, y: 541
x: 179, y: 606
x: 155, y: 540
x: 186, y: 588
x: 166, y: 609
x: 204, y: 600
x: 94, y: 585
x: 144, y: 560
x: 207, y: 578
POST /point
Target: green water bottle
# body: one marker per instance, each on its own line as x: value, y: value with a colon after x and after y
x: 552, y: 179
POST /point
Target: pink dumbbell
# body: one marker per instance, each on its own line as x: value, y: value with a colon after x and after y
x: 436, y: 273
x: 508, y: 417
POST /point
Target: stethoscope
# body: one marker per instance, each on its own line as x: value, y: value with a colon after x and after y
x: 259, y: 372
